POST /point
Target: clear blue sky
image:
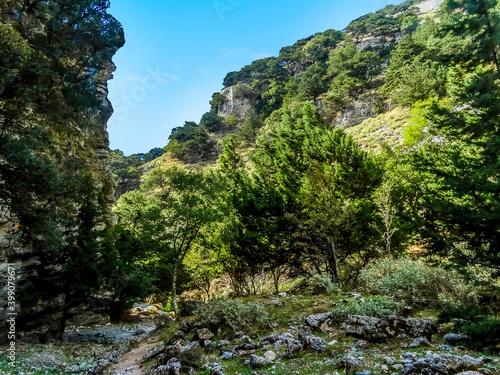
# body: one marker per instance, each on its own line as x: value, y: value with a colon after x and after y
x: 178, y: 52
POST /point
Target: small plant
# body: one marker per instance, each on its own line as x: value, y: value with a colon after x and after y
x: 378, y: 306
x: 236, y: 314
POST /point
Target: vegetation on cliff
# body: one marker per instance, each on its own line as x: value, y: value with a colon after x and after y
x: 290, y: 199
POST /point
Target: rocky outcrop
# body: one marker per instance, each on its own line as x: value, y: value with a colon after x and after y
x: 428, y: 5
x: 444, y: 364
x: 84, y: 141
x: 379, y: 330
x: 358, y: 111
x: 237, y: 101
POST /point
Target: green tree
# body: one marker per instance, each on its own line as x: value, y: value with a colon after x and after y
x: 326, y: 182
x: 478, y: 20
x: 313, y: 82
x: 181, y: 210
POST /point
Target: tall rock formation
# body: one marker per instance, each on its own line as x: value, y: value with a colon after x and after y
x: 56, y: 62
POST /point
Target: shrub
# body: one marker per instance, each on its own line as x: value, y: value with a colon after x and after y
x: 322, y: 284
x: 378, y: 306
x: 236, y: 314
x: 415, y: 281
x: 483, y: 331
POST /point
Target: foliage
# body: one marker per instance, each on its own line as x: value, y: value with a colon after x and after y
x: 323, y: 285
x: 377, y: 306
x: 126, y: 169
x: 391, y: 19
x: 415, y: 281
x: 189, y: 142
x: 414, y: 72
x: 482, y: 331
x: 325, y: 181
x: 211, y: 121
x: 171, y: 218
x: 232, y: 313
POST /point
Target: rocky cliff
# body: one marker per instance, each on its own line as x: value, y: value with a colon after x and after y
x: 71, y: 107
x: 239, y: 98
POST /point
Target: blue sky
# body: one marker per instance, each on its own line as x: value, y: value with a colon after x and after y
x: 178, y: 52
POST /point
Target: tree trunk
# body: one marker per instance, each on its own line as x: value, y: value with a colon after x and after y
x: 62, y: 324
x: 174, y: 292
x: 334, y: 262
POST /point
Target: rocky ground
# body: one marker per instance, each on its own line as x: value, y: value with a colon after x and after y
x: 86, y: 350
x: 302, y: 338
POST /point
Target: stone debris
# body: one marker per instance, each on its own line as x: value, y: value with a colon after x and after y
x: 418, y: 342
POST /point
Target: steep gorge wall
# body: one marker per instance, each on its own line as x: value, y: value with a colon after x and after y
x: 80, y: 139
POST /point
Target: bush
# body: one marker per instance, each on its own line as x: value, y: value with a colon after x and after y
x: 235, y: 314
x: 415, y: 282
x: 322, y: 284
x: 378, y: 306
x: 483, y: 331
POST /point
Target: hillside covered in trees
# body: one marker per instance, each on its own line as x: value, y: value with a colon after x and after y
x: 297, y: 191
x: 363, y: 160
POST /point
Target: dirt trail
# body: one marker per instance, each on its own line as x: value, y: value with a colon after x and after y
x: 131, y: 360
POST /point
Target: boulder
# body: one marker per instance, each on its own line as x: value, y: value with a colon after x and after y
x: 443, y: 364
x: 189, y: 307
x: 227, y: 355
x: 217, y: 370
x: 172, y: 367
x: 362, y: 344
x: 379, y: 329
x: 304, y: 332
x: 315, y: 343
x: 293, y: 348
x: 270, y: 355
x: 154, y: 352
x: 351, y: 364
x: 209, y: 346
x: 193, y: 346
x: 416, y: 327
x: 204, y: 334
x: 169, y: 352
x: 257, y: 361
x: 314, y: 321
x: 418, y: 342
x: 454, y: 338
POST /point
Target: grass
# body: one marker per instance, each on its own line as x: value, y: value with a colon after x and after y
x: 386, y: 128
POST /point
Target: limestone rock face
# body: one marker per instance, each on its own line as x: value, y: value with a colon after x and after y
x: 88, y: 142
x: 238, y: 100
x: 358, y: 111
x: 429, y: 5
